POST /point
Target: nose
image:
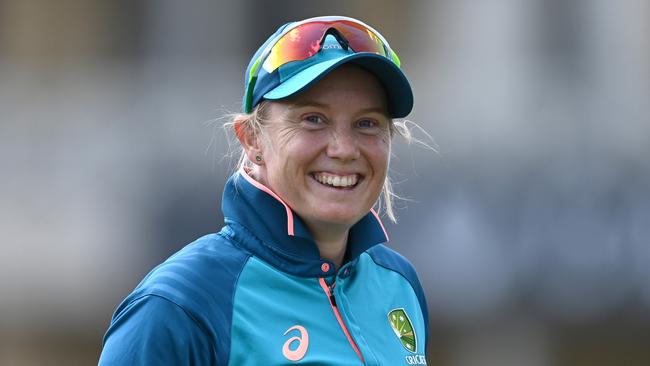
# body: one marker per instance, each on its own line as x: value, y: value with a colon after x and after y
x: 343, y: 145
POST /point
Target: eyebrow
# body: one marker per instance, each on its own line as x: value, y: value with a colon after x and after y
x: 378, y: 110
x: 297, y: 105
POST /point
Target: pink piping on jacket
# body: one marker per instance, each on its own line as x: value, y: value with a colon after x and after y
x: 380, y: 223
x: 266, y: 189
x: 340, y: 320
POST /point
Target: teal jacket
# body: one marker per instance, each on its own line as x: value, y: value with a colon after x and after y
x: 258, y: 293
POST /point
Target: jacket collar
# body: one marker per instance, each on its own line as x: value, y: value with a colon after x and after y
x: 274, y: 233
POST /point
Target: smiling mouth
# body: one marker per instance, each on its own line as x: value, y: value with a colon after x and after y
x: 337, y: 181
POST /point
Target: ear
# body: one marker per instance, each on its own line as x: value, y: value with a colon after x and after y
x: 247, y: 138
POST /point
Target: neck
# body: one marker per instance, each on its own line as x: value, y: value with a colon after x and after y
x: 332, y: 242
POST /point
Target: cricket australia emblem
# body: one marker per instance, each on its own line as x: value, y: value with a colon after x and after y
x: 405, y: 332
x: 403, y: 329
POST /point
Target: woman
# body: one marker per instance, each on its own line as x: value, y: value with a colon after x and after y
x: 299, y: 273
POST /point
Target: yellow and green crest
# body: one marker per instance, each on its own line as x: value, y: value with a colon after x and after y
x: 403, y: 329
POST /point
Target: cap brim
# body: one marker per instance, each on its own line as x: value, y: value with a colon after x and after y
x: 397, y: 87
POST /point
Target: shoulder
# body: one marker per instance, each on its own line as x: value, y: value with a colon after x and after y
x: 154, y: 330
x: 211, y: 264
x: 200, y: 278
x: 393, y: 261
x: 197, y: 284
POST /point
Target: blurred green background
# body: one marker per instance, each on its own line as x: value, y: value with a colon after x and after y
x: 529, y: 229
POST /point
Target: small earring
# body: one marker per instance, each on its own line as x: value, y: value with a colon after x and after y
x: 258, y: 158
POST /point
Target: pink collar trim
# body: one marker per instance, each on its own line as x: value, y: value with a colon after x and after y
x: 266, y: 189
x: 380, y: 223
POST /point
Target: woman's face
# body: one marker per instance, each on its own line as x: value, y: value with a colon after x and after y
x: 326, y: 150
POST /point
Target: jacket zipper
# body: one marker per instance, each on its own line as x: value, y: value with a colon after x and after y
x: 329, y: 291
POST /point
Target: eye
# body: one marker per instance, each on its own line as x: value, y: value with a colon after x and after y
x: 313, y: 119
x: 372, y: 125
x: 367, y: 123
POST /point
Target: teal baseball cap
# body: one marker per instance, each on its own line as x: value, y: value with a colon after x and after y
x: 296, y: 76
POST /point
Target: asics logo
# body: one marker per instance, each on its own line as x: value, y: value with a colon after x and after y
x: 297, y: 353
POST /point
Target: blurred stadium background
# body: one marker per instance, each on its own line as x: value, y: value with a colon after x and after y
x: 530, y: 228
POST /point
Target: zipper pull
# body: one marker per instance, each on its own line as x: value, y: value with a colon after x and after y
x: 332, y: 298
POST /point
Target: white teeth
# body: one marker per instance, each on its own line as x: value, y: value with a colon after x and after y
x: 337, y: 181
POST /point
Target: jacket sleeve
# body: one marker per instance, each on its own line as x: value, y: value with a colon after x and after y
x: 152, y: 330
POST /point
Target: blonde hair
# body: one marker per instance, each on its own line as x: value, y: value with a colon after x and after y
x: 254, y: 122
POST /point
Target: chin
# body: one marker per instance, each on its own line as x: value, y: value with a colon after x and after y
x: 338, y: 219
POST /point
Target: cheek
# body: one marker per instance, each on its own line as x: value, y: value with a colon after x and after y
x: 378, y: 151
x: 292, y: 157
x: 285, y: 140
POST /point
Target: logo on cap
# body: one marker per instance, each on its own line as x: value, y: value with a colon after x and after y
x: 330, y: 46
